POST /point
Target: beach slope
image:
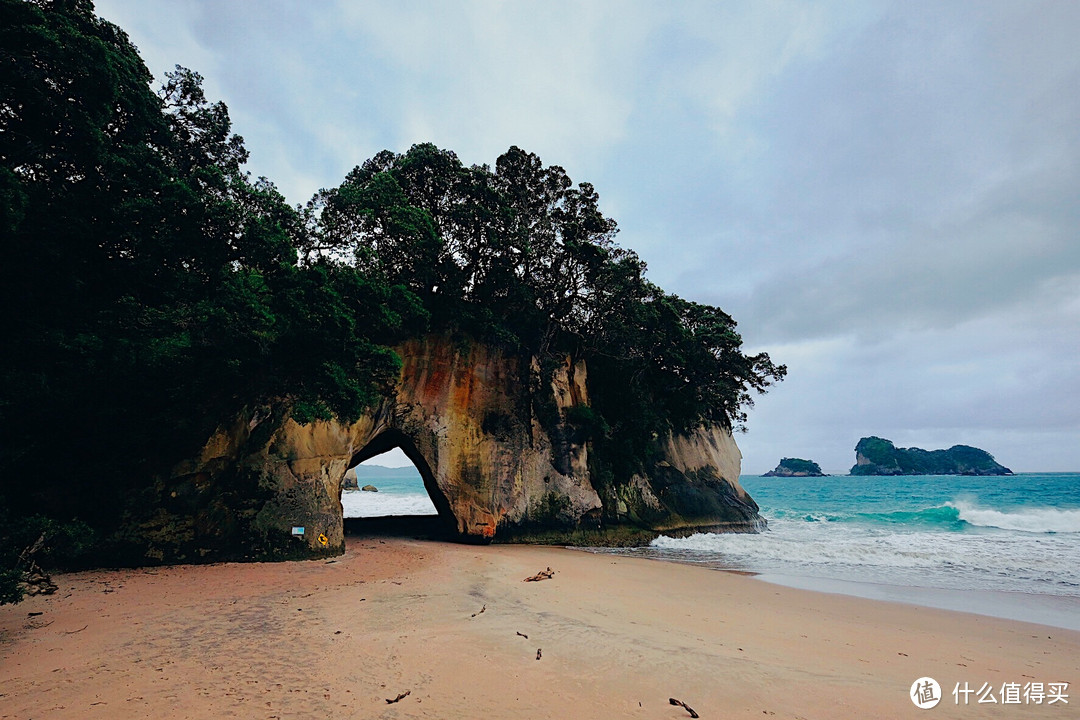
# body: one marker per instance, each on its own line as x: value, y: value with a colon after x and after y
x: 458, y: 629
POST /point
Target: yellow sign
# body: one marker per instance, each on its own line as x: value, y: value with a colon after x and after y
x: 323, y: 540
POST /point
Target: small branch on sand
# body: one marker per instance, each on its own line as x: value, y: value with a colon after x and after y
x: 683, y: 705
x: 77, y: 631
x: 479, y: 611
x: 542, y: 575
x: 399, y: 697
x: 521, y: 634
x: 36, y: 580
x: 537, y: 653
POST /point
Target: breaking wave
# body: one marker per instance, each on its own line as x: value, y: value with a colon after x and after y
x: 1034, y: 519
x: 965, y: 533
x: 955, y: 515
x: 358, y: 503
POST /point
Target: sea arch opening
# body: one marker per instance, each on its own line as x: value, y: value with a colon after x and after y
x: 406, y: 499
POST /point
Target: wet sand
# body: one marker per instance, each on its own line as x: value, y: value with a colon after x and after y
x: 617, y: 637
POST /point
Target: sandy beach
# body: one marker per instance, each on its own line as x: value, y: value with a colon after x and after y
x: 458, y: 629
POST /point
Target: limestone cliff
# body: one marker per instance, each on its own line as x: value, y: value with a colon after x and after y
x: 696, y: 483
x: 466, y: 415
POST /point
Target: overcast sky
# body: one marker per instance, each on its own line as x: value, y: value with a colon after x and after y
x: 886, y: 196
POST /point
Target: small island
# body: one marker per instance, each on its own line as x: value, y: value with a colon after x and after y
x: 877, y: 456
x: 796, y: 467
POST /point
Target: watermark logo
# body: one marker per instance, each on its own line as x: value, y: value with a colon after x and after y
x: 925, y: 693
x: 1013, y: 693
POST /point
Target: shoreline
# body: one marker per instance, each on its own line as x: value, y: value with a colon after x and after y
x: 1053, y: 611
x: 619, y: 636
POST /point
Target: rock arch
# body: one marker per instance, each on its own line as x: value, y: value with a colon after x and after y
x: 392, y: 438
x: 464, y: 414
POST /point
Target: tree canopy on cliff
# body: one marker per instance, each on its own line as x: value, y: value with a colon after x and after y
x: 151, y: 288
x: 520, y: 255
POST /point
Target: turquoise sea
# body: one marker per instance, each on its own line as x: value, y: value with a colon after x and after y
x: 401, y: 492
x: 1007, y: 546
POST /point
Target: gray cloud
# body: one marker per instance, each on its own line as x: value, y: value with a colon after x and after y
x: 908, y: 183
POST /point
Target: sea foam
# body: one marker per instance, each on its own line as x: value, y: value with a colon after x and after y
x: 991, y: 560
x: 1035, y: 519
x: 948, y: 532
x: 358, y: 503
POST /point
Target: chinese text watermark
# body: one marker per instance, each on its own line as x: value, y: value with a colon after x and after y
x: 926, y: 693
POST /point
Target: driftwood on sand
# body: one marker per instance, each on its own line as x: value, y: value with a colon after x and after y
x: 542, y: 575
x: 404, y: 695
x: 683, y: 705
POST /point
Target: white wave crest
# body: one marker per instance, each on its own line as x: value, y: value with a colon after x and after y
x: 1006, y: 560
x: 369, y: 504
x: 1036, y: 519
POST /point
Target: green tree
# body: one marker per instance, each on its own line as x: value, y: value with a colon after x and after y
x: 522, y: 256
x: 151, y: 289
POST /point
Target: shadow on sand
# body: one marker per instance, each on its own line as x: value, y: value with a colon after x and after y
x: 425, y: 527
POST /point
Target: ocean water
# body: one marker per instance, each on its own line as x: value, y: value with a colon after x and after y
x: 1016, y: 533
x: 1008, y: 538
x: 1005, y: 546
x: 401, y: 492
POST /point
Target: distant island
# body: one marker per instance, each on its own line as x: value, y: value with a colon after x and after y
x: 877, y: 456
x: 380, y: 472
x: 796, y: 467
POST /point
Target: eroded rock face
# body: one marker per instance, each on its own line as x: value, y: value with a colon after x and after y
x: 465, y: 414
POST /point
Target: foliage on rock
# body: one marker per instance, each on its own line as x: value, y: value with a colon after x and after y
x: 521, y: 257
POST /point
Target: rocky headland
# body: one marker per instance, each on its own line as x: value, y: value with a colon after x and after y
x: 877, y: 456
